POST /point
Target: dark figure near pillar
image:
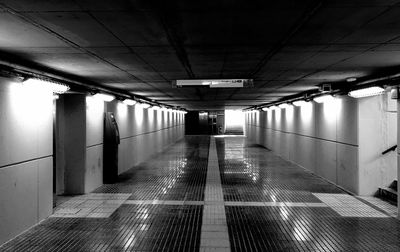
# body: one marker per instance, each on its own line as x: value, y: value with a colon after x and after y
x: 110, y: 149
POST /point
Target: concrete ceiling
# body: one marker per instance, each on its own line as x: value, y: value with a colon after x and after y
x: 140, y: 46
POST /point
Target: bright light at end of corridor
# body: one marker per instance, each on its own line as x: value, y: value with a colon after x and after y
x: 234, y: 119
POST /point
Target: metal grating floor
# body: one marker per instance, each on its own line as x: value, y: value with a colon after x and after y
x: 230, y: 197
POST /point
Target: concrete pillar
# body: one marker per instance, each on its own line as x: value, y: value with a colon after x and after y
x: 80, y: 142
x: 71, y: 157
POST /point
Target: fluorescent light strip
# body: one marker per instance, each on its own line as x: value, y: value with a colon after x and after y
x: 299, y: 103
x: 323, y: 98
x: 366, y: 92
x: 46, y: 85
x: 129, y: 102
x: 104, y: 97
x: 144, y: 105
x: 283, y: 105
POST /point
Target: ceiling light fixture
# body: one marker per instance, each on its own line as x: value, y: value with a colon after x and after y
x: 365, y: 92
x: 323, y: 98
x: 145, y: 105
x: 283, y: 105
x: 129, y: 102
x: 299, y: 103
x: 46, y: 85
x: 104, y: 97
x: 351, y: 79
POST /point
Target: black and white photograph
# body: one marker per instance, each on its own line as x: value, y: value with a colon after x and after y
x: 199, y: 125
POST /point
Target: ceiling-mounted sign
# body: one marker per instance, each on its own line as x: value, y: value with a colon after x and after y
x: 215, y: 83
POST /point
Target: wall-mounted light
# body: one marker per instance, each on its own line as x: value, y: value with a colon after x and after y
x: 104, y: 97
x: 299, y: 103
x: 323, y: 98
x: 283, y: 105
x: 365, y: 92
x: 129, y: 102
x: 351, y: 79
x: 55, y: 96
x: 46, y: 85
x: 265, y: 109
x: 144, y: 105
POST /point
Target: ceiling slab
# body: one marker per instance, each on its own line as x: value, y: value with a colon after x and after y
x: 141, y: 46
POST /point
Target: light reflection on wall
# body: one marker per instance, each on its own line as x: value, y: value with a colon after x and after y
x: 29, y: 104
x: 331, y: 109
x: 306, y: 112
x: 289, y: 114
x: 277, y: 118
x: 150, y: 117
x: 122, y: 110
x: 94, y: 106
x: 138, y: 115
x: 159, y: 118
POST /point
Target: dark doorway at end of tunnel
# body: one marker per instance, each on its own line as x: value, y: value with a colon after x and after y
x: 204, y: 123
x: 110, y: 149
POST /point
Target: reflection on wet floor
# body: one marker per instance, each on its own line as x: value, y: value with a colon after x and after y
x: 275, y: 205
x: 177, y: 174
x: 230, y: 197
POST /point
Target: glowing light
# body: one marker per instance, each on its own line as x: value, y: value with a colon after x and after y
x: 155, y: 107
x: 56, y: 96
x: 323, y: 98
x: 234, y: 119
x: 273, y: 108
x: 129, y: 102
x: 144, y: 105
x: 283, y: 105
x: 289, y: 114
x: 299, y: 103
x: 366, y: 92
x: 306, y: 113
x: 331, y: 109
x: 25, y: 104
x: 352, y: 79
x: 46, y: 85
x: 104, y: 97
x: 265, y: 109
x: 122, y: 109
x: 139, y: 116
